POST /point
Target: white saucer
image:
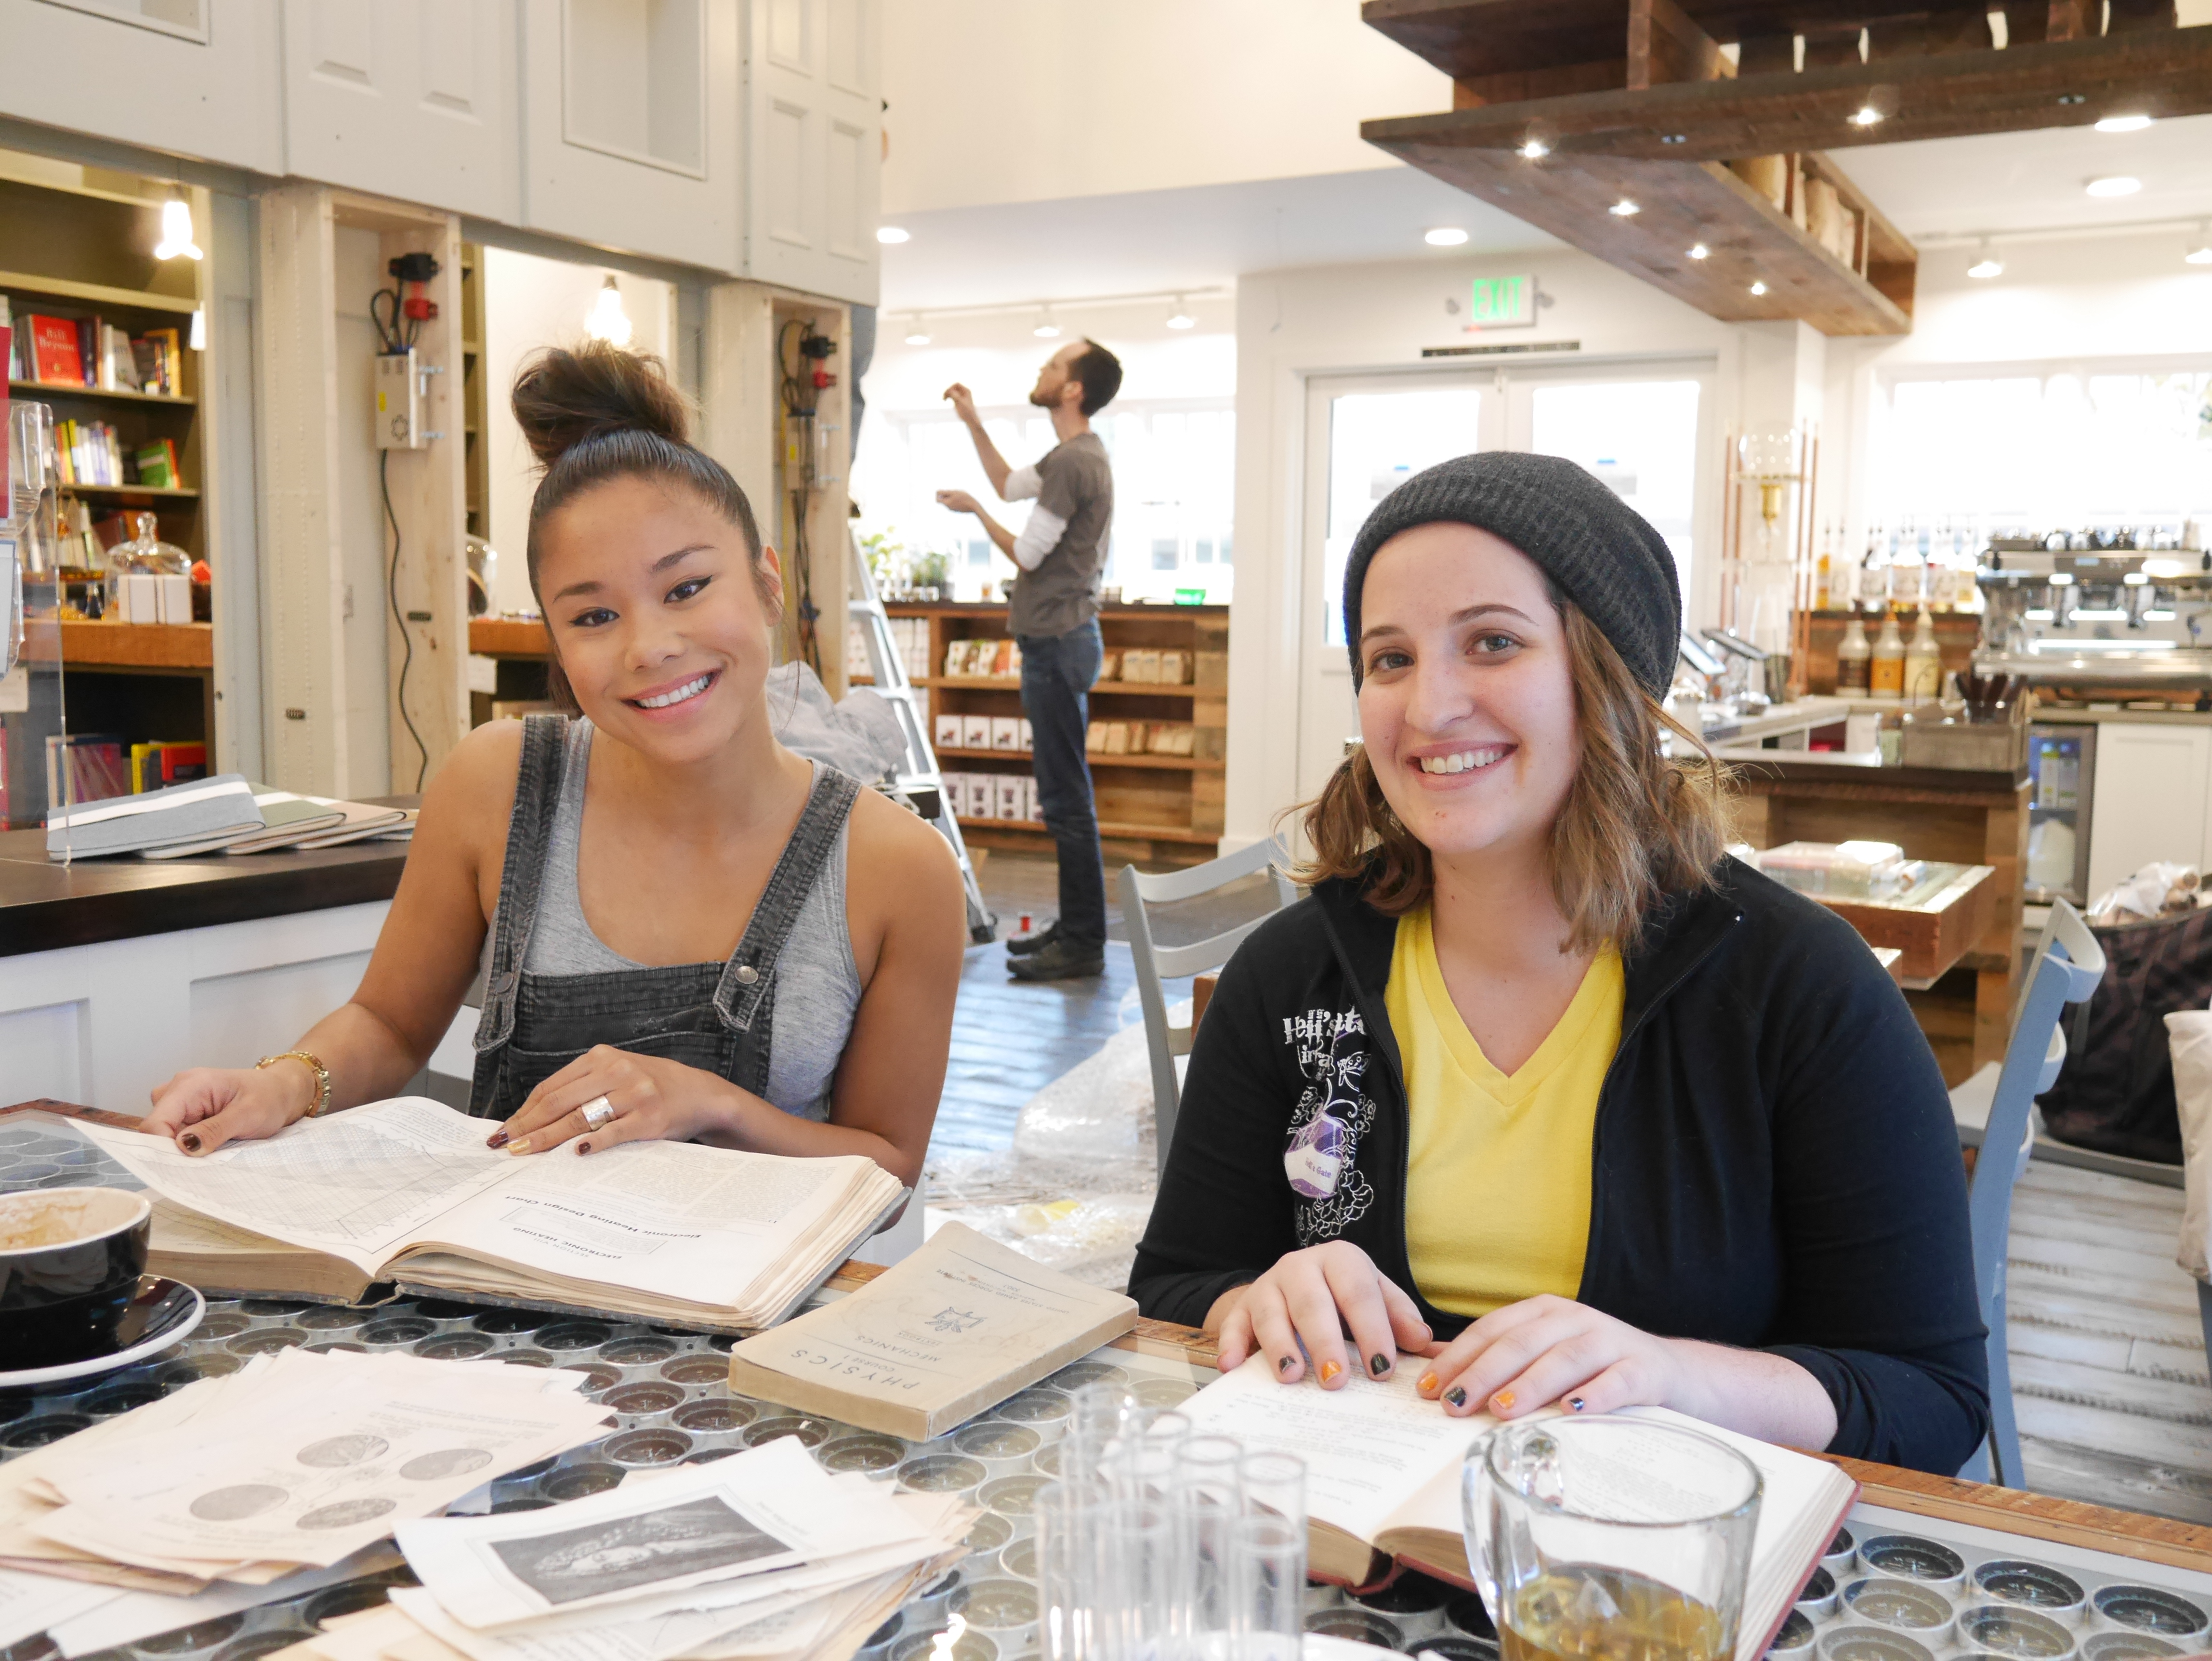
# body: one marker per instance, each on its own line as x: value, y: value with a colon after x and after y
x: 163, y: 1313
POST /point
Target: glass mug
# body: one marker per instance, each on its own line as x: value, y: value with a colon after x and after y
x: 1610, y: 1539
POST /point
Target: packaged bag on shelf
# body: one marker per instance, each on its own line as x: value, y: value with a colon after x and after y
x: 1109, y: 665
x: 1174, y: 668
x: 1094, y: 738
x: 949, y: 736
x: 975, y: 731
x: 1006, y: 733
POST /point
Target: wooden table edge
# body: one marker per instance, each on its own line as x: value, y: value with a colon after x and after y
x: 2129, y: 1534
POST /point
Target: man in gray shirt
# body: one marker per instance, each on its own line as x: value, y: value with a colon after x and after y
x: 1062, y: 555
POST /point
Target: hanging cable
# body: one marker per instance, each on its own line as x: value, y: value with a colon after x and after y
x: 392, y: 593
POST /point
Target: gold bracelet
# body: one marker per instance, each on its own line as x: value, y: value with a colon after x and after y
x: 322, y: 1078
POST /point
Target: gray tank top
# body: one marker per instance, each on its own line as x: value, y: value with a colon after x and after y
x: 818, y: 984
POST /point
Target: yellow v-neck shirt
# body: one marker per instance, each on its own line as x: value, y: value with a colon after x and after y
x: 1497, y: 1180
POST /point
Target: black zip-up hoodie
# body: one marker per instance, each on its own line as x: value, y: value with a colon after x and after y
x: 1774, y: 1163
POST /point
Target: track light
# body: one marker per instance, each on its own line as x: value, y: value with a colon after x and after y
x: 919, y: 335
x: 607, y: 321
x: 176, y: 231
x: 1047, y: 330
x: 2202, y: 253
x: 1182, y: 318
x: 1988, y: 265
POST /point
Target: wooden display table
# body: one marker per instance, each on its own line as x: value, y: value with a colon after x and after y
x: 1964, y: 998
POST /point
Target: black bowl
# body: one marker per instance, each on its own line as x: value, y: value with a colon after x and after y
x: 69, y: 1262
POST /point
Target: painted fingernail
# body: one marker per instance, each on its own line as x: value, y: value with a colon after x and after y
x: 1428, y: 1382
x: 1378, y: 1365
x: 583, y: 1147
x: 522, y: 1147
x: 1456, y: 1396
x: 1286, y: 1364
x: 189, y: 1143
x: 1502, y: 1400
x: 1329, y: 1370
x: 497, y: 1139
x: 1575, y: 1404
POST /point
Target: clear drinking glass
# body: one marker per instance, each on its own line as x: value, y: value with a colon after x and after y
x: 1268, y: 1559
x: 1207, y: 1502
x: 1606, y: 1538
x: 1075, y: 1589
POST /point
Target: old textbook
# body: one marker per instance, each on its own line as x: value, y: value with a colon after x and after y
x: 407, y: 1190
x: 956, y: 1327
x: 1383, y: 1481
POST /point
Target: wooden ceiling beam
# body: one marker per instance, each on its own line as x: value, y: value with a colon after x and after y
x: 2058, y: 83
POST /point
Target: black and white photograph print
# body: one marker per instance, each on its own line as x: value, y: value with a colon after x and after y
x: 628, y: 1552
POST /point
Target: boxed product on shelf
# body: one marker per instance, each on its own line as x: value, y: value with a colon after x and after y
x: 1140, y: 665
x: 1035, y: 813
x: 1029, y: 737
x: 975, y: 731
x: 1012, y: 793
x: 1210, y: 668
x: 1110, y: 666
x: 982, y: 797
x: 1006, y: 733
x: 1094, y: 738
x: 949, y: 733
x: 1174, y: 668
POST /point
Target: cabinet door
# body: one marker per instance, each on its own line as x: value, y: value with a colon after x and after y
x: 193, y: 77
x: 630, y: 126
x: 814, y: 146
x: 409, y: 99
x: 2149, y: 799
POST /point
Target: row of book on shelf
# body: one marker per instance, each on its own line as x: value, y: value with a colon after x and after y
x: 92, y: 452
x: 91, y: 352
x: 1008, y: 796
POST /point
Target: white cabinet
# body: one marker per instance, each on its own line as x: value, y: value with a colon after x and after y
x: 409, y: 99
x: 195, y: 77
x: 814, y: 146
x: 631, y: 125
x: 2149, y: 802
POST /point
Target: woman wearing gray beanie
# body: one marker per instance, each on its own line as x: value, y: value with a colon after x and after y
x: 1538, y: 1092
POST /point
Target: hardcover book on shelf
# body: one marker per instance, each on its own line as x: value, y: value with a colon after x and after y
x: 1384, y: 1476
x: 406, y: 1190
x: 54, y: 357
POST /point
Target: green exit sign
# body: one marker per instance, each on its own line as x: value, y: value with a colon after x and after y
x: 1501, y: 302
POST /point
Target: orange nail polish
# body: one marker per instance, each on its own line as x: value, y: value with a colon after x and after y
x: 1502, y: 1400
x: 1428, y: 1381
x: 1328, y: 1371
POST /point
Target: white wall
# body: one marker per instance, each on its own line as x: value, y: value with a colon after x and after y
x: 991, y: 102
x: 529, y: 304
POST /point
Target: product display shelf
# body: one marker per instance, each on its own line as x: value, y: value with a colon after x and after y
x: 1159, y: 809
x: 81, y: 250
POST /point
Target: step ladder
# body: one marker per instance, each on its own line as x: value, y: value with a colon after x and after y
x: 919, y: 782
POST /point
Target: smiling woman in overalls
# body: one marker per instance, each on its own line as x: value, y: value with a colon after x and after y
x: 694, y: 933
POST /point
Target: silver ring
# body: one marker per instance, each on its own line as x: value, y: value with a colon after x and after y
x: 597, y: 1112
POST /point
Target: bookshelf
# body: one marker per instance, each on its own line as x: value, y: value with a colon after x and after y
x: 77, y: 244
x: 1153, y: 809
x: 475, y: 424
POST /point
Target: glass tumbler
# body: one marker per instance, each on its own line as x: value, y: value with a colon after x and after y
x: 1610, y: 1539
x: 1076, y: 1576
x: 1268, y: 1559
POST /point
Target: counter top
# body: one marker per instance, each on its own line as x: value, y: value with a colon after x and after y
x: 1859, y: 768
x: 45, y: 906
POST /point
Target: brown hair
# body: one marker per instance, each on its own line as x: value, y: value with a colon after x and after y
x: 1636, y: 824
x: 599, y: 413
x: 1099, y: 372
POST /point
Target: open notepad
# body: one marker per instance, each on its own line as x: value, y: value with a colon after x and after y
x: 407, y: 1190
x: 1383, y: 1481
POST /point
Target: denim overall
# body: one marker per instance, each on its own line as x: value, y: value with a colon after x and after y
x: 716, y: 1017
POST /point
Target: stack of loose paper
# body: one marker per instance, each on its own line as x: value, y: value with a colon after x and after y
x: 218, y: 808
x: 407, y: 1190
x: 764, y: 1554
x: 285, y: 818
x: 297, y: 1460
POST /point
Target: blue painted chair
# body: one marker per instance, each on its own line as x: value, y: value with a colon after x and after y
x: 2067, y: 967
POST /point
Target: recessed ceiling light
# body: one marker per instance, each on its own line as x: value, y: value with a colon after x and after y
x: 919, y: 337
x: 1535, y: 150
x: 2123, y: 123
x: 1623, y: 208
x: 1673, y: 138
x: 1865, y: 116
x: 1444, y: 236
x: 893, y: 233
x: 1758, y: 287
x: 1700, y: 252
x: 2117, y: 185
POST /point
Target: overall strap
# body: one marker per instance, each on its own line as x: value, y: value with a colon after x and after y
x: 752, y: 968
x: 529, y: 828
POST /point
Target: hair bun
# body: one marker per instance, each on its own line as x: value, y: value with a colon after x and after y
x: 562, y: 397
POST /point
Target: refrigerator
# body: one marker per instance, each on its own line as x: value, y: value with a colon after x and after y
x: 2062, y: 771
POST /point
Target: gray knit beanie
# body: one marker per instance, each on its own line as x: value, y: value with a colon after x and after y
x: 1601, y: 553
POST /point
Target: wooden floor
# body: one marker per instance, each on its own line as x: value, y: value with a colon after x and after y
x: 2109, y: 1380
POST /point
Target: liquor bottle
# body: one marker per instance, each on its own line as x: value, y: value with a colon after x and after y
x: 1853, y: 661
x: 1823, y: 597
x: 1885, y: 669
x: 1923, y: 663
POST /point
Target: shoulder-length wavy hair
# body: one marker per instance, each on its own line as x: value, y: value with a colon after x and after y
x: 1636, y: 824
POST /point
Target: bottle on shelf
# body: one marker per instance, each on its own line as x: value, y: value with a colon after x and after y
x: 1852, y: 661
x: 1923, y: 663
x: 1908, y: 567
x: 1885, y: 667
x: 1822, y: 568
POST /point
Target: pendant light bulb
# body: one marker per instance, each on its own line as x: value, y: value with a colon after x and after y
x: 607, y: 321
x: 176, y: 231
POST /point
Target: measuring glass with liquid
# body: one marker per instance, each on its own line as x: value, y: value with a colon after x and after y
x: 1610, y: 1539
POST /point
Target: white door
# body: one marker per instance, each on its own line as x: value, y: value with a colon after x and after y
x: 2147, y: 802
x: 1639, y: 430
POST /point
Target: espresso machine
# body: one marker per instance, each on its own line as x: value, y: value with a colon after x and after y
x: 2093, y: 625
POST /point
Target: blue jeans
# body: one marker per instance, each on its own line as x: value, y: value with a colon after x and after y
x: 1057, y: 671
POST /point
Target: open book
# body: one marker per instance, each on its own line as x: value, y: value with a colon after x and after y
x: 407, y: 1190
x: 1383, y: 1481
x: 958, y: 1327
